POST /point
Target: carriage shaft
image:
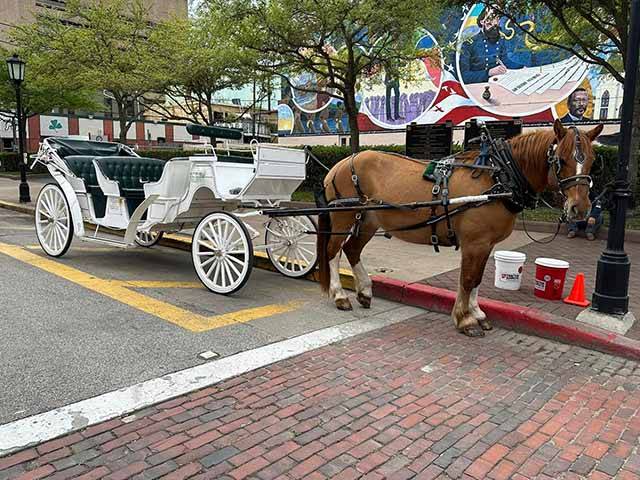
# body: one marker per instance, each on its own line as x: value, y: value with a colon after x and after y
x: 286, y: 212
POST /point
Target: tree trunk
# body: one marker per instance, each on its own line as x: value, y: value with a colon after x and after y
x: 211, y: 116
x: 352, y: 112
x: 635, y: 144
x: 122, y: 119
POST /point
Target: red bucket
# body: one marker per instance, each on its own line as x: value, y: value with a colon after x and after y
x: 550, y: 276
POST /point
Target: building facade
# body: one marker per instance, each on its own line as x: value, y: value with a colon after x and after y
x: 16, y: 12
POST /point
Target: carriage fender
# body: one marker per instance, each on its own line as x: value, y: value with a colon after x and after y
x: 72, y: 200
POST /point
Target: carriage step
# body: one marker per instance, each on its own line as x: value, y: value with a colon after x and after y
x: 108, y: 241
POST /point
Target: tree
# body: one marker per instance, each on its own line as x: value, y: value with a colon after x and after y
x: 192, y: 60
x: 338, y: 42
x: 42, y: 90
x: 103, y: 44
x: 596, y: 32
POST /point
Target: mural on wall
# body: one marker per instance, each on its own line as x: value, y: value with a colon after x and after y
x: 490, y: 69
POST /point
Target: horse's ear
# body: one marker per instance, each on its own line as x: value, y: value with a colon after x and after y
x: 595, y: 131
x: 559, y: 129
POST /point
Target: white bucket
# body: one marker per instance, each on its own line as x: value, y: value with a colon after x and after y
x: 508, y: 269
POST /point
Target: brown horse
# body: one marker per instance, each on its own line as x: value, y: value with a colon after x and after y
x: 394, y: 179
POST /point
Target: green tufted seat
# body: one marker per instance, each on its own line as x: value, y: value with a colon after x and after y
x: 131, y: 173
x: 82, y: 167
x: 127, y: 171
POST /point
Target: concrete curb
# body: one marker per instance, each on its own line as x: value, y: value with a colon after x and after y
x: 506, y: 315
x: 511, y: 316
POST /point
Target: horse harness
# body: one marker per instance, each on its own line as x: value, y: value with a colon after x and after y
x: 496, y: 158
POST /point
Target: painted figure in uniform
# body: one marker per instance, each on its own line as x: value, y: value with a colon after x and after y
x: 485, y: 55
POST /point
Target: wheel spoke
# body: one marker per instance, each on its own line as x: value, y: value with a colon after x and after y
x: 228, y: 271
x: 232, y: 266
x: 45, y: 205
x: 207, y: 245
x: 208, y: 272
x: 310, y: 252
x: 213, y: 242
x: 274, y: 233
x: 224, y: 275
x: 62, y: 225
x: 236, y: 260
x: 216, y: 273
x: 233, y: 245
x: 56, y: 235
x: 205, y: 254
x: 207, y: 262
x: 301, y: 255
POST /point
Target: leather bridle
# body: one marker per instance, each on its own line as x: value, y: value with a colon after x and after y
x: 556, y: 163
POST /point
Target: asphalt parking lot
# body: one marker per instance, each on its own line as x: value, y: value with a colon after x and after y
x: 100, y: 319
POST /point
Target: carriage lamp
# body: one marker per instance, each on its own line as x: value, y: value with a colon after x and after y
x: 17, y: 68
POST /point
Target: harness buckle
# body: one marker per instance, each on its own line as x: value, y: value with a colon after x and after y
x: 435, y: 190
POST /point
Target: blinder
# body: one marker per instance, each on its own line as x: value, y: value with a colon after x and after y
x: 556, y: 163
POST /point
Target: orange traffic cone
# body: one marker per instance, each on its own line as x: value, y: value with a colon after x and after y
x: 577, y: 296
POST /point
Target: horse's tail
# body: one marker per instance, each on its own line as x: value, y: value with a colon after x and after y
x: 324, y: 235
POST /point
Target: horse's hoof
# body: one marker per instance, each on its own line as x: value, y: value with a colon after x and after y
x: 364, y: 301
x: 485, y: 324
x: 343, y: 304
x: 472, y: 331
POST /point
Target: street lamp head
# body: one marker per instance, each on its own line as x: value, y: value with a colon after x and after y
x: 16, y: 68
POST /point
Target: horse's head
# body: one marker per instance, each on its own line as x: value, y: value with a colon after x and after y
x: 570, y: 157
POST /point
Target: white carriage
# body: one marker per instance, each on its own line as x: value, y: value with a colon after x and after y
x: 110, y: 185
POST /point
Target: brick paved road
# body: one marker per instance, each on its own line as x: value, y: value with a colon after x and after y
x: 415, y: 400
x: 582, y: 256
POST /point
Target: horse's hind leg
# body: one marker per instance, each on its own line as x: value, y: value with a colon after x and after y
x: 477, y: 312
x: 334, y: 250
x: 353, y: 248
x: 474, y: 259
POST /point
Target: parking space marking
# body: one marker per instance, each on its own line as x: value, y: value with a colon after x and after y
x: 121, y: 292
x: 82, y: 249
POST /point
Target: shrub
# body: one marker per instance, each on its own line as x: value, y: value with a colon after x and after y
x: 9, y: 161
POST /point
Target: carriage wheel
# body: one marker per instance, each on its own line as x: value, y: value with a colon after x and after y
x: 54, y: 227
x: 148, y: 239
x: 222, y: 253
x: 291, y: 250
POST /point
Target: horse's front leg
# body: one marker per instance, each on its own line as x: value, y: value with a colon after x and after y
x: 466, y: 313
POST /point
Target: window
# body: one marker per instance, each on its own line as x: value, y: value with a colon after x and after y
x: 604, y: 105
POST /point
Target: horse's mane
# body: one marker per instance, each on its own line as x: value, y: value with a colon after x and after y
x: 532, y: 145
x: 529, y: 150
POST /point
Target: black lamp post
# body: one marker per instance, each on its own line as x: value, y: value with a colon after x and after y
x: 16, y: 75
x: 611, y: 295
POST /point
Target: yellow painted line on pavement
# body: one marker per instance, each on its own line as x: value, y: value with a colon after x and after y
x: 21, y: 229
x: 82, y: 249
x: 118, y: 291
